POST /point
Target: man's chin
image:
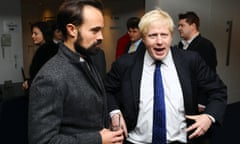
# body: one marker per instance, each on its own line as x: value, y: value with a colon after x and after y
x: 93, y: 51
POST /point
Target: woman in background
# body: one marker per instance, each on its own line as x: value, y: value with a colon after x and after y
x: 42, y: 37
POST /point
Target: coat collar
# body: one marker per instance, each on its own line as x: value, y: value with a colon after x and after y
x: 86, y: 66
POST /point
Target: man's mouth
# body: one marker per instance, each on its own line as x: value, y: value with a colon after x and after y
x: 158, y: 49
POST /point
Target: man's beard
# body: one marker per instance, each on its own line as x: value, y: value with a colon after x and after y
x: 92, y: 50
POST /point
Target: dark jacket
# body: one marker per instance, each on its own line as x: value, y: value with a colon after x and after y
x: 207, y: 51
x: 41, y: 56
x: 123, y: 85
x: 205, y: 48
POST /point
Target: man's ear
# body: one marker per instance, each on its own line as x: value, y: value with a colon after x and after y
x: 143, y: 37
x: 71, y: 30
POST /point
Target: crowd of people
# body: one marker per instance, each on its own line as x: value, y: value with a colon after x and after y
x: 153, y: 93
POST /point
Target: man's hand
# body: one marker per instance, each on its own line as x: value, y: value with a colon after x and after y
x: 110, y: 137
x: 25, y: 85
x: 201, y: 125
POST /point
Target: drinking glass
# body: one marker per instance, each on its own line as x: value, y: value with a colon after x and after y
x: 115, y: 122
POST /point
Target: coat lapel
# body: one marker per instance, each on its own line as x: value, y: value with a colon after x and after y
x: 136, y: 74
x: 93, y: 76
x: 183, y: 75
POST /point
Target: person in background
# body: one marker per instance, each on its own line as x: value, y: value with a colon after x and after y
x: 132, y: 41
x: 183, y: 73
x: 56, y: 33
x: 41, y: 36
x: 122, y: 43
x: 188, y: 27
x: 67, y: 102
x: 134, y: 34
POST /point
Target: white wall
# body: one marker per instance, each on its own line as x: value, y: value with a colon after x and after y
x: 221, y: 12
x: 10, y: 41
x: 214, y: 15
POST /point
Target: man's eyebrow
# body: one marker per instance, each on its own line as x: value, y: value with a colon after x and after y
x: 152, y: 34
x: 96, y: 28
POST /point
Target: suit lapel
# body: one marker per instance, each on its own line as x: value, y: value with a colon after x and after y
x: 97, y: 77
x: 136, y: 74
x: 183, y: 75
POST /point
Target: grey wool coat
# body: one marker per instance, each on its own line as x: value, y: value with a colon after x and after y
x: 67, y: 104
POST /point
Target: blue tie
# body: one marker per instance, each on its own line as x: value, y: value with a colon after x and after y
x: 159, y: 116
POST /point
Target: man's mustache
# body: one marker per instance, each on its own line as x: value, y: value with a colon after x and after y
x: 98, y: 42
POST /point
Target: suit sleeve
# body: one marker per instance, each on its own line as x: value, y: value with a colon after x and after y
x: 216, y: 91
x: 112, y: 85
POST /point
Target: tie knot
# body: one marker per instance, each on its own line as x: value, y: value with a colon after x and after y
x: 158, y: 63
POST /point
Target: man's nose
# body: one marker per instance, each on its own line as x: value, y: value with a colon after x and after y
x: 159, y: 39
x: 100, y: 36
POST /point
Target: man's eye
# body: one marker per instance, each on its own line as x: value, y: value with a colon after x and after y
x: 164, y: 35
x: 152, y: 36
x: 96, y: 30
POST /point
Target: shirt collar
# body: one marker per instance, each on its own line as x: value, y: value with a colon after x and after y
x: 136, y: 43
x: 189, y: 41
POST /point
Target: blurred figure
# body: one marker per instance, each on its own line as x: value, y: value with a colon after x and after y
x: 188, y: 27
x: 122, y: 44
x: 129, y: 42
x: 134, y: 34
x: 57, y: 35
x: 41, y: 37
x: 192, y: 40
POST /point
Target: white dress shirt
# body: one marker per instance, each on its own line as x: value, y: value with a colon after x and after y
x: 187, y: 43
x: 136, y: 44
x: 175, y: 117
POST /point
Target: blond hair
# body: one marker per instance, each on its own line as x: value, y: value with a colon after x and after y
x: 155, y: 15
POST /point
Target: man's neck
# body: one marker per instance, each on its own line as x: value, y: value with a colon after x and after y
x: 194, y: 35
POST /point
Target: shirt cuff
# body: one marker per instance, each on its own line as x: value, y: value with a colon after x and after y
x: 114, y: 112
x: 212, y: 118
x: 201, y: 106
